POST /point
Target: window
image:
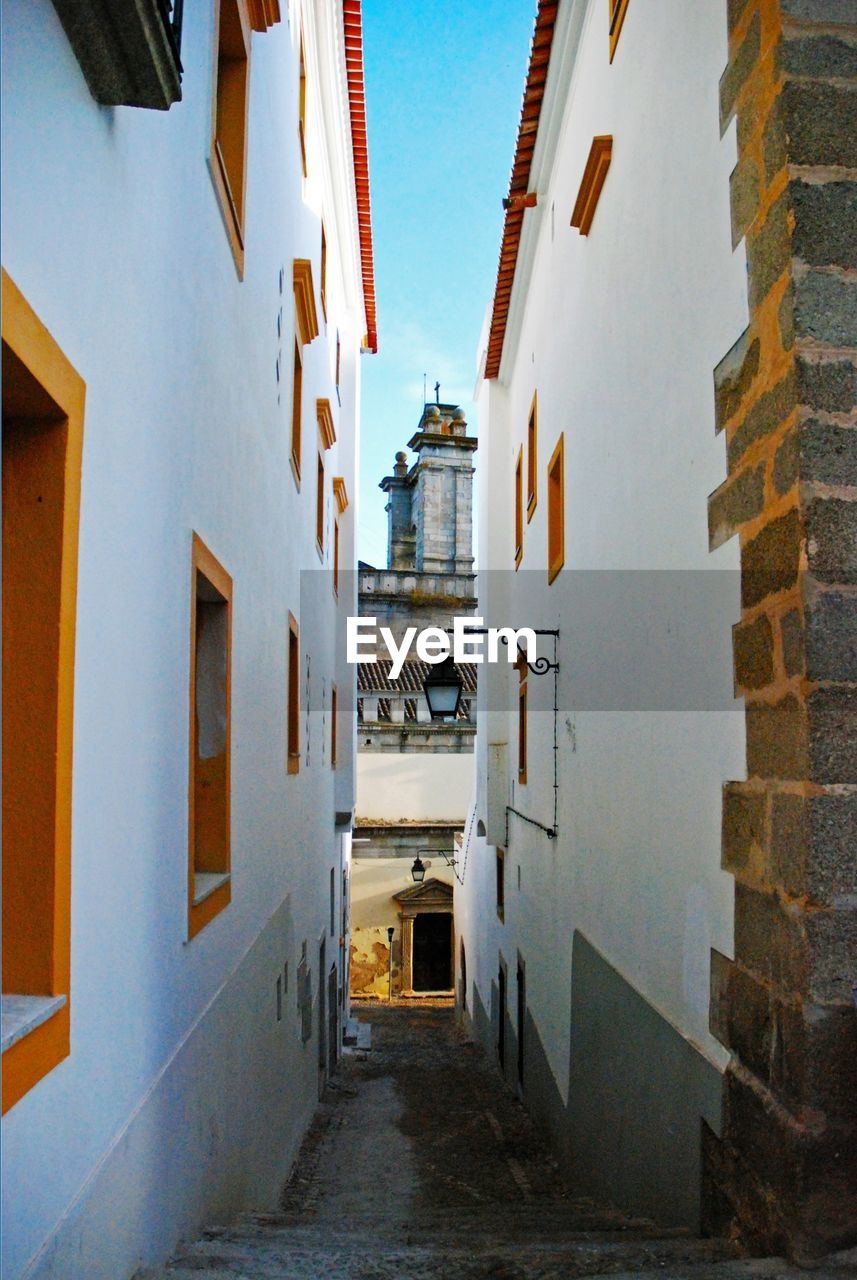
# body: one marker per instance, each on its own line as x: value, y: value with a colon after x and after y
x: 532, y: 458
x: 618, y: 9
x: 208, y: 794
x: 522, y: 721
x: 293, y: 678
x: 228, y: 158
x: 519, y: 508
x: 302, y: 106
x: 43, y: 400
x: 340, y: 494
x: 326, y: 425
x: 334, y: 709
x: 306, y: 316
x: 323, y: 289
x: 319, y: 507
x: 338, y: 372
x: 556, y: 511
x: 297, y: 390
x: 500, y: 879
x: 594, y: 177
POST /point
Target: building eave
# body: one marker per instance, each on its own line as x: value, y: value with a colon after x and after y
x: 353, y: 26
x: 519, y: 182
x: 553, y: 54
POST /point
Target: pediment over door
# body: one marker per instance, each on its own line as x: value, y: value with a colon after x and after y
x: 430, y: 894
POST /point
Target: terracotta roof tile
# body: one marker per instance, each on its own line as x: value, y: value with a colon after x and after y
x: 353, y: 22
x: 534, y: 89
x: 374, y: 677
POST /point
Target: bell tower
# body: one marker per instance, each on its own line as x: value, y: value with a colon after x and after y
x: 430, y: 506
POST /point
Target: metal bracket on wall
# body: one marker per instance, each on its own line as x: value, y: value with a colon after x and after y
x: 541, y: 667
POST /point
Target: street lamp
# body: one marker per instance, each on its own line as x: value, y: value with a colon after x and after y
x: 442, y: 687
x: 418, y: 870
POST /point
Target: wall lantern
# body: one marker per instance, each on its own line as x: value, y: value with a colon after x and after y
x: 418, y: 870
x: 442, y: 687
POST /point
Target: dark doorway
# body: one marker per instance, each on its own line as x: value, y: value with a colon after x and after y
x: 522, y: 1018
x: 501, y: 1016
x: 432, y: 958
x: 332, y: 1020
x: 322, y: 1015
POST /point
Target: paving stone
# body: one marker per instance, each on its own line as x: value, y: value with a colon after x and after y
x: 390, y: 1185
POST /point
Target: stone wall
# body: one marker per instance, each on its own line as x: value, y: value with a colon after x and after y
x: 785, y: 1171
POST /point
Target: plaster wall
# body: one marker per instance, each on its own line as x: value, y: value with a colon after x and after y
x: 373, y: 910
x: 171, y: 1104
x: 635, y: 868
x: 398, y: 787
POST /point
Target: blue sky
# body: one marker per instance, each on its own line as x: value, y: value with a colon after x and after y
x: 444, y: 81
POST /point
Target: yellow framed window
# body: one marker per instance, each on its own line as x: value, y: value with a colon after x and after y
x: 319, y: 506
x: 43, y: 407
x: 532, y: 458
x: 209, y: 883
x: 293, y: 699
x: 618, y: 9
x: 228, y: 156
x: 297, y: 409
x: 556, y: 510
x: 302, y: 105
x: 519, y: 508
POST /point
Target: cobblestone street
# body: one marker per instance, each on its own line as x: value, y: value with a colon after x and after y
x: 419, y: 1163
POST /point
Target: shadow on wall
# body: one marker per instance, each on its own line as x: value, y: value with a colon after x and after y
x: 638, y: 1093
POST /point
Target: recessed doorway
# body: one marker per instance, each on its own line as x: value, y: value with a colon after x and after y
x: 432, y: 951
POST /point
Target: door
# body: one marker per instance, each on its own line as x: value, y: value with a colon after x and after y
x: 322, y: 1015
x: 332, y: 1019
x: 522, y: 1018
x: 501, y: 1016
x: 432, y: 959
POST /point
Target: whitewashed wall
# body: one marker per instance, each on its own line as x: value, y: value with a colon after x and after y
x: 183, y: 1097
x: 619, y: 333
x: 413, y: 786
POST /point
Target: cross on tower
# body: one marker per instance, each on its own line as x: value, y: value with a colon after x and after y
x: 437, y: 392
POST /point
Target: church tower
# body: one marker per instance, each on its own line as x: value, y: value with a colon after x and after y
x: 430, y: 505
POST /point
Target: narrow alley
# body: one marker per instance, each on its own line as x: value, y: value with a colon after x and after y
x: 420, y: 1163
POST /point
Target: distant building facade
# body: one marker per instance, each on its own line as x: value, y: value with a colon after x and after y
x: 414, y: 774
x: 187, y: 291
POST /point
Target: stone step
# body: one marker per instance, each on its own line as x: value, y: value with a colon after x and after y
x: 453, y: 1223
x: 664, y: 1260
x: 278, y: 1252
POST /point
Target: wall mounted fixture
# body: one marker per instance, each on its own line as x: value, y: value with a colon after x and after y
x: 418, y: 870
x: 442, y: 687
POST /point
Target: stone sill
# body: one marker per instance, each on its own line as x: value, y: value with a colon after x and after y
x: 22, y: 1014
x: 205, y: 883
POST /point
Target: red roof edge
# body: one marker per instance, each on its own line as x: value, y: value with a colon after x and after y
x: 353, y: 24
x: 534, y: 92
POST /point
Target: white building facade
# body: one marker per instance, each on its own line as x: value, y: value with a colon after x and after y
x: 599, y: 838
x: 187, y: 293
